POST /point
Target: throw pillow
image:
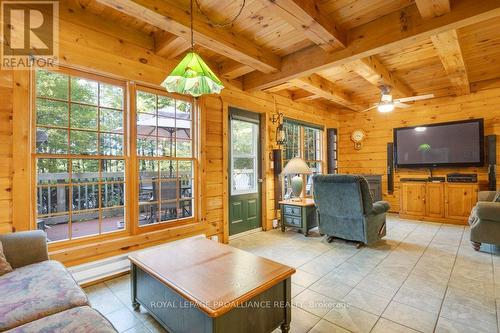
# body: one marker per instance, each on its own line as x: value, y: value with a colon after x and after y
x: 4, y: 264
x: 497, y: 197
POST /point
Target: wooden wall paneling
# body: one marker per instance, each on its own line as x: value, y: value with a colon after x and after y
x: 21, y: 152
x: 372, y: 157
x: 225, y: 170
x: 6, y: 162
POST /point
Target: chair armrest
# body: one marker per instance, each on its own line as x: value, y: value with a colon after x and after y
x: 25, y: 248
x: 486, y: 196
x: 380, y: 207
x: 488, y: 211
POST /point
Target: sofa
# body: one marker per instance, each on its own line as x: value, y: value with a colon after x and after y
x: 40, y: 295
x: 484, y: 220
x: 346, y: 210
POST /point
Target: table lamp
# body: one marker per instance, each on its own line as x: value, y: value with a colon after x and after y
x: 296, y: 166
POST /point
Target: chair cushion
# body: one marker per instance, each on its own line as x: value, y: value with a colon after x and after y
x: 35, y: 291
x: 82, y: 319
x: 4, y: 264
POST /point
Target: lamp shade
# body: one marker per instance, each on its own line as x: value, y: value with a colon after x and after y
x: 192, y: 76
x: 296, y: 165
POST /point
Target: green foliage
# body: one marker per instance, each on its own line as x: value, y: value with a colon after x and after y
x: 86, y: 97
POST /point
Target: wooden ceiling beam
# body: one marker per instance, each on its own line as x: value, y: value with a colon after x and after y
x: 303, y: 96
x: 305, y: 16
x: 399, y: 29
x: 322, y: 87
x: 433, y: 8
x: 373, y: 71
x: 282, y: 86
x: 448, y: 48
x: 231, y: 69
x: 170, y: 46
x: 168, y: 17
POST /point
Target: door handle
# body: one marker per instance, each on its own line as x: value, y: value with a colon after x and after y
x: 260, y: 180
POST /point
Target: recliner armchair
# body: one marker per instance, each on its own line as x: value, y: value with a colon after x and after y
x: 484, y: 220
x: 346, y: 210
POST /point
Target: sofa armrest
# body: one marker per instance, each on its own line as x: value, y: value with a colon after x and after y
x: 486, y: 196
x: 488, y: 211
x: 380, y: 207
x: 25, y: 248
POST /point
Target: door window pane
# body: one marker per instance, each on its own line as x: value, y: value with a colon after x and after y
x: 244, y: 156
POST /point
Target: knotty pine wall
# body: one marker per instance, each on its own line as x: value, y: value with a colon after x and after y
x: 372, y: 158
x: 5, y: 151
x: 90, y: 43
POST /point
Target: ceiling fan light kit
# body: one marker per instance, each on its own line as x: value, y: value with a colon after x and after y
x: 387, y: 104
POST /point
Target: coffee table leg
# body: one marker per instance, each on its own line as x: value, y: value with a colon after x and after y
x: 285, y: 327
x: 133, y: 284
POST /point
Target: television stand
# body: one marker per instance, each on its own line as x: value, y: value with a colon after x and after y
x: 443, y: 202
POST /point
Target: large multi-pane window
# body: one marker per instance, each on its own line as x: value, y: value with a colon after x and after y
x: 79, y: 154
x: 305, y: 142
x: 166, y: 157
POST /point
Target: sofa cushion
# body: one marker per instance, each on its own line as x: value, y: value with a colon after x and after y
x: 35, y: 291
x: 82, y: 319
x: 4, y: 264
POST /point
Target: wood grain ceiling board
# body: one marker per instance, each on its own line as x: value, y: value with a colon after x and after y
x: 480, y: 45
x: 351, y: 14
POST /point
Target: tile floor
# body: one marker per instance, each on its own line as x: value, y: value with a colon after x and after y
x: 424, y: 277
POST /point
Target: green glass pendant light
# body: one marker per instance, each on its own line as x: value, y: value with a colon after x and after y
x: 192, y: 76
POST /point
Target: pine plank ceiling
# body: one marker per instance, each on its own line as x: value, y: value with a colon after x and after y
x: 348, y: 48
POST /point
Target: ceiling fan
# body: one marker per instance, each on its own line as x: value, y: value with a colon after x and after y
x: 387, y: 103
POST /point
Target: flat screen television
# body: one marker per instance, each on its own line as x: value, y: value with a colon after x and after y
x: 453, y: 144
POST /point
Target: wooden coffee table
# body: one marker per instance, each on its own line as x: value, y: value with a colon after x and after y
x: 198, y: 285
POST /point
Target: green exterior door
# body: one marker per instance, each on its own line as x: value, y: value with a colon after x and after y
x: 244, y: 173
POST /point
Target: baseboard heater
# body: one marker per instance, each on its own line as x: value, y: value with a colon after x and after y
x: 103, y: 268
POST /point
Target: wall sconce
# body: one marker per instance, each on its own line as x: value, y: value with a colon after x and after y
x: 280, y: 129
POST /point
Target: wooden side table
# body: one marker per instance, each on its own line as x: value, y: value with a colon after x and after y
x: 298, y: 214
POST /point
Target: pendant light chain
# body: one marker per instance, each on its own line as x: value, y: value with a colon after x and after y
x: 226, y: 24
x: 192, y: 30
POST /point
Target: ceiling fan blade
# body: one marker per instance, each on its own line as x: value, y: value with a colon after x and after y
x: 414, y: 98
x: 373, y: 107
x: 401, y: 105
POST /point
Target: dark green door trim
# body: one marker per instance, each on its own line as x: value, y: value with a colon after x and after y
x: 245, y: 208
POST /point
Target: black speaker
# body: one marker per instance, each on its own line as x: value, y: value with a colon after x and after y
x: 331, y: 150
x: 491, y: 143
x: 277, y: 167
x: 390, y: 167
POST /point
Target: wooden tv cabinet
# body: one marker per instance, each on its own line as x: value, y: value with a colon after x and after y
x: 437, y: 202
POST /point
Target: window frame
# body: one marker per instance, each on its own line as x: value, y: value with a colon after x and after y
x: 69, y: 156
x: 195, y: 197
x: 301, y: 152
x: 129, y: 155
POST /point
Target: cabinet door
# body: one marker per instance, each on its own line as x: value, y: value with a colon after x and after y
x: 434, y: 200
x: 413, y: 198
x: 460, y: 198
